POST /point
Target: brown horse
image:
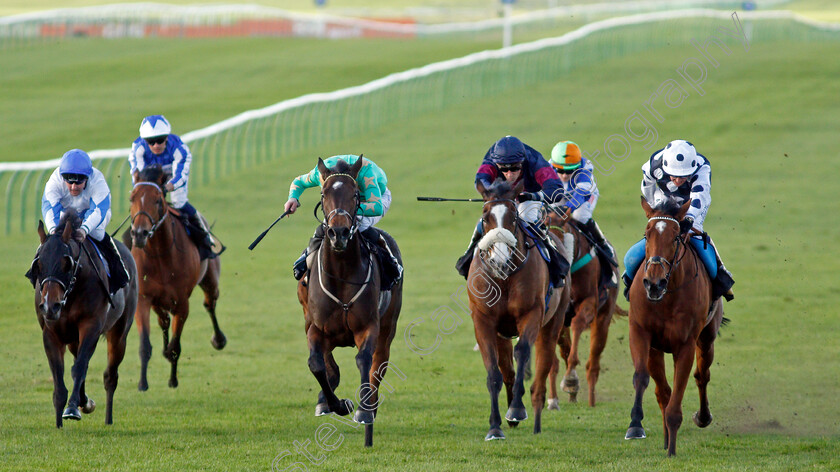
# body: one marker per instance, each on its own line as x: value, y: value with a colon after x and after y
x: 592, y: 307
x: 508, y: 283
x: 342, y: 302
x: 670, y: 312
x: 74, y: 309
x: 169, y: 266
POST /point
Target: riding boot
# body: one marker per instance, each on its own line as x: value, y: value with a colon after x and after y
x: 300, y: 268
x: 198, y: 223
x: 463, y: 263
x: 591, y: 229
x: 389, y: 262
x: 118, y: 277
x: 557, y: 262
x: 722, y: 285
x: 627, y: 282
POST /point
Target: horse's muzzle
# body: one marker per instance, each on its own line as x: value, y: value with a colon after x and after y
x: 339, y: 237
x: 51, y: 311
x: 139, y: 237
x: 655, y: 291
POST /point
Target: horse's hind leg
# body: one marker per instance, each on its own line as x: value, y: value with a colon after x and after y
x: 705, y: 353
x: 210, y: 285
x: 141, y: 319
x: 563, y: 342
x: 116, y: 352
x: 334, y: 378
x: 656, y: 367
x: 599, y: 330
x: 55, y: 356
x: 584, y: 314
x: 505, y: 349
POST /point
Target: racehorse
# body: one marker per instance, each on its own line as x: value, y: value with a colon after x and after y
x: 508, y: 283
x: 592, y: 307
x: 342, y: 302
x: 74, y: 309
x: 169, y: 267
x: 670, y: 312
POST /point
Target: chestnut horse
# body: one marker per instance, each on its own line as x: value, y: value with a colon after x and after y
x: 342, y: 302
x: 74, y: 310
x: 670, y: 312
x: 508, y: 282
x: 169, y: 267
x: 592, y: 307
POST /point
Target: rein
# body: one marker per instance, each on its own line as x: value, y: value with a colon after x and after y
x: 658, y: 260
x: 155, y: 224
x: 354, y: 226
x: 517, y: 228
x: 69, y: 287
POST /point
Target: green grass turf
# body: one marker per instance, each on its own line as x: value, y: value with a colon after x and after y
x: 767, y: 122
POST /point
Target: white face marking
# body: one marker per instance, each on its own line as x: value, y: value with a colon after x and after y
x: 499, y: 212
x: 660, y: 226
x: 337, y: 185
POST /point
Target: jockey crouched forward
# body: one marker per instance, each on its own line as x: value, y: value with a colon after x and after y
x: 77, y: 185
x: 375, y: 202
x: 512, y: 160
x: 677, y: 172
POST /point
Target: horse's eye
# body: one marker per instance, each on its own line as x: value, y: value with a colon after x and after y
x: 66, y: 264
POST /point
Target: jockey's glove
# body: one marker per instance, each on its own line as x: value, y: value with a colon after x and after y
x: 526, y: 196
x: 686, y: 225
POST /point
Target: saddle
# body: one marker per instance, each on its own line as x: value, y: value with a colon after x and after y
x: 558, y: 264
x: 196, y: 235
x: 389, y: 272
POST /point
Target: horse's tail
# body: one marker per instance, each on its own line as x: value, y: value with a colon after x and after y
x: 725, y: 321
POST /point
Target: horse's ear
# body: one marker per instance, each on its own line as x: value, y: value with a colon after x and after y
x: 41, y: 232
x: 482, y: 190
x: 647, y: 208
x: 518, y: 188
x: 357, y: 166
x: 323, y: 170
x: 68, y: 231
x: 683, y: 210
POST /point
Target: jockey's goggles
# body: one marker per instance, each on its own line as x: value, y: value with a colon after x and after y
x: 510, y: 167
x: 562, y: 169
x: 156, y: 140
x: 76, y: 179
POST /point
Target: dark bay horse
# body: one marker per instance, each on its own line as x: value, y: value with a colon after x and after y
x: 670, y: 312
x: 342, y: 302
x: 592, y: 307
x: 508, y: 284
x: 74, y: 310
x: 169, y: 267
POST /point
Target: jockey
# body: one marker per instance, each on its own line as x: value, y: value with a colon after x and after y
x: 77, y: 185
x: 157, y: 145
x: 679, y: 173
x: 580, y: 193
x: 375, y: 202
x: 512, y: 160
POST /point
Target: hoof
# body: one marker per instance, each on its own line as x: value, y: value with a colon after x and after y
x: 553, y: 404
x: 702, y: 422
x: 570, y: 384
x: 363, y: 416
x: 142, y: 385
x: 635, y: 432
x: 494, y: 434
x: 513, y: 424
x: 173, y: 382
x: 89, y: 407
x: 345, y: 406
x: 322, y: 409
x: 516, y: 414
x: 71, y: 414
x: 219, y: 342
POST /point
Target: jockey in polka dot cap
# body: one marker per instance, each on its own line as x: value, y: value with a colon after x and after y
x: 678, y: 173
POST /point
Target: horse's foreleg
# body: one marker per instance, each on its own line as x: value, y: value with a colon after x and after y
x: 683, y: 360
x: 599, y: 330
x: 584, y: 312
x: 210, y: 286
x: 486, y: 337
x: 88, y: 337
x: 705, y: 353
x: 318, y: 368
x: 334, y: 378
x: 505, y: 349
x: 141, y: 319
x: 656, y: 367
x: 173, y: 350
x: 116, y: 338
x: 367, y: 395
x: 86, y: 404
x: 544, y: 351
x: 522, y: 355
x: 54, y: 350
x: 639, y: 351
x: 563, y: 343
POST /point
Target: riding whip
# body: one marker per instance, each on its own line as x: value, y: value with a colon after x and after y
x: 259, y: 238
x: 439, y: 199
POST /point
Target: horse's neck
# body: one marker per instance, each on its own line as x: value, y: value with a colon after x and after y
x: 162, y: 241
x: 342, y: 264
x: 582, y: 245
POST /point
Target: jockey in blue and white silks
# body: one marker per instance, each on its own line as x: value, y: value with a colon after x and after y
x: 76, y: 185
x: 580, y: 193
x: 157, y: 145
x: 679, y: 174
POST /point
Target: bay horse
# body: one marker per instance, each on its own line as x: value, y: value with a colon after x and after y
x: 342, y: 302
x: 593, y: 304
x: 74, y: 309
x: 169, y: 267
x: 670, y: 312
x: 508, y: 282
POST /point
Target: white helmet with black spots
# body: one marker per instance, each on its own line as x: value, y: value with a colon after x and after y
x: 153, y: 126
x: 679, y: 159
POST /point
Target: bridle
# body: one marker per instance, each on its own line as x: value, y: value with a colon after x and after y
x: 155, y: 224
x: 658, y: 260
x: 354, y: 226
x: 517, y: 221
x: 68, y: 288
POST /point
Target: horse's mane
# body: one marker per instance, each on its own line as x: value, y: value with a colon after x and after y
x: 340, y: 167
x: 70, y: 217
x: 151, y: 174
x: 669, y: 207
x: 499, y: 189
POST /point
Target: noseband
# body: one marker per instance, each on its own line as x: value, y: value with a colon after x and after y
x: 155, y: 224
x: 69, y: 287
x: 658, y: 260
x: 354, y: 226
